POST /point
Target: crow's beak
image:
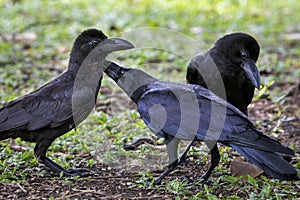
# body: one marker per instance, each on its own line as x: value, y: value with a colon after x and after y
x: 252, y: 73
x: 115, y: 44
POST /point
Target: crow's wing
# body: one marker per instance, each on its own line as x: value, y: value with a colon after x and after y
x: 238, y: 129
x: 185, y: 111
x: 49, y: 106
x: 178, y: 110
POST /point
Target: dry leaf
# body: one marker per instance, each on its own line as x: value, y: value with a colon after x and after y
x: 239, y: 167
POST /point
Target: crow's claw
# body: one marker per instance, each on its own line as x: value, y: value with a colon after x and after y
x: 77, y: 170
x: 198, y: 180
x: 157, y: 181
x: 81, y: 172
x: 185, y: 178
x: 183, y: 161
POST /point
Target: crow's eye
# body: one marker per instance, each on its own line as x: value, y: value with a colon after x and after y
x: 94, y: 43
x: 89, y: 46
x: 244, y: 54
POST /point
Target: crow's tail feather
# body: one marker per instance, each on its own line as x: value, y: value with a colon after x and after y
x: 272, y: 163
x: 256, y: 140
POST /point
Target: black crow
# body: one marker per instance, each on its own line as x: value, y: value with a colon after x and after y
x: 228, y: 69
x: 187, y: 112
x: 58, y: 106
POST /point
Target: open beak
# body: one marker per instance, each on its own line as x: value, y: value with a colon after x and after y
x: 115, y: 44
x: 252, y: 73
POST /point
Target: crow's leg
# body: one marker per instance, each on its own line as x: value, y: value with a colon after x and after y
x: 215, y: 158
x: 40, y: 150
x: 40, y: 153
x: 182, y: 158
x: 172, y: 148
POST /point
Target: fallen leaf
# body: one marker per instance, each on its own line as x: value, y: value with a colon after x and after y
x: 239, y: 167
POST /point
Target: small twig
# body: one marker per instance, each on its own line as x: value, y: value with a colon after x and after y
x: 157, y: 147
x: 65, y: 194
x: 149, y: 142
x: 71, y: 195
x: 16, y: 147
x: 25, y: 191
x: 80, y: 193
x: 150, y: 193
x: 111, y: 177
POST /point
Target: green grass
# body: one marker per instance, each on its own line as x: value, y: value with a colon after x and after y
x: 25, y: 67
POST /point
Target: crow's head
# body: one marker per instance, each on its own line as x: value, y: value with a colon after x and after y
x: 243, y: 50
x: 95, y: 44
